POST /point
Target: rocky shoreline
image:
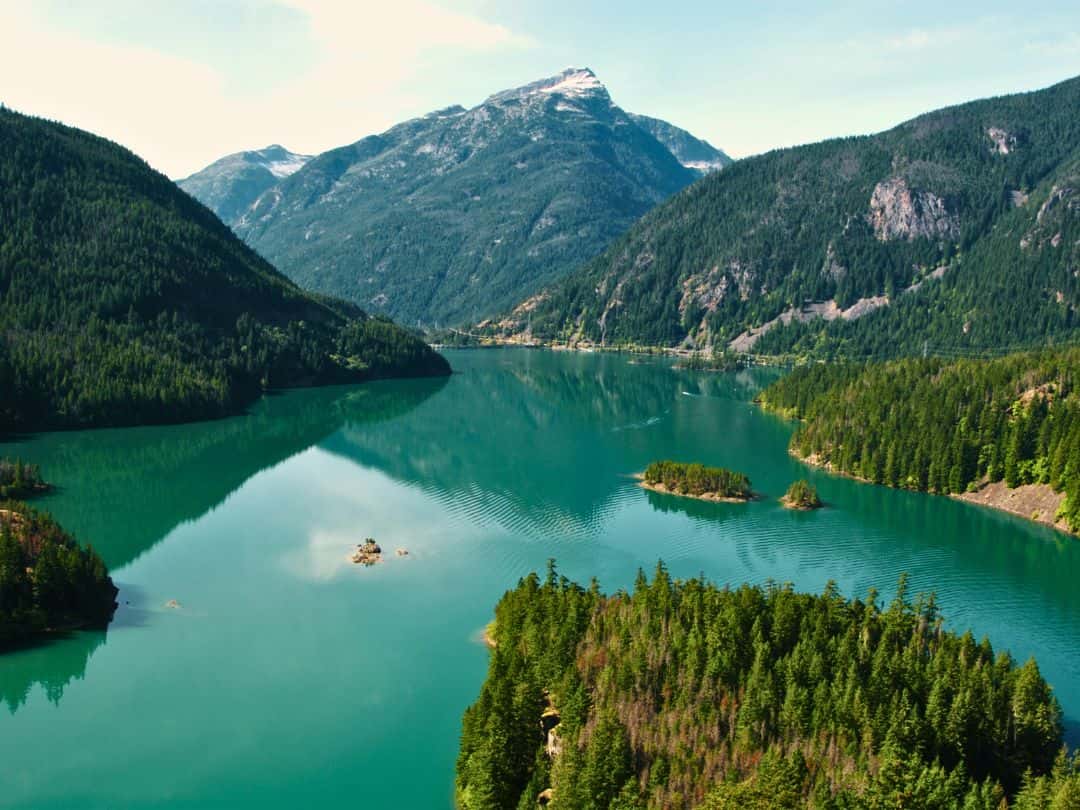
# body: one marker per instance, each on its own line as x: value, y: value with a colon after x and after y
x: 1035, y: 502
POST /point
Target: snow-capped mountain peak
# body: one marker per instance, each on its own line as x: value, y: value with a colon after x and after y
x: 572, y: 84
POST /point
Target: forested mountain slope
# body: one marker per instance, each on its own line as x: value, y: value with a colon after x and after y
x: 943, y: 426
x: 684, y: 695
x: 959, y: 226
x: 124, y: 301
x: 460, y: 213
x: 694, y: 153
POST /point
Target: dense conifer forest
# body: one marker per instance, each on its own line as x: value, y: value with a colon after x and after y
x: 47, y: 581
x: 681, y: 694
x: 124, y: 301
x: 942, y: 426
x: 697, y: 479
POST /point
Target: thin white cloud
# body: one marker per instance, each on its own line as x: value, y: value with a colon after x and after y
x: 981, y: 32
x: 178, y: 114
x: 1063, y: 46
x: 410, y: 27
x: 912, y: 40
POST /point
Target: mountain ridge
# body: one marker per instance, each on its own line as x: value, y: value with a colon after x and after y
x: 459, y: 212
x: 897, y: 230
x: 692, y: 152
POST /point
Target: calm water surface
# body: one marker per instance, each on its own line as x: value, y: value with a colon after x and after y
x: 289, y: 677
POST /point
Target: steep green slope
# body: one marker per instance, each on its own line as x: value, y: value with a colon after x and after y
x: 123, y: 300
x: 941, y: 426
x: 680, y: 691
x: 461, y: 213
x: 1016, y: 288
x: 955, y: 211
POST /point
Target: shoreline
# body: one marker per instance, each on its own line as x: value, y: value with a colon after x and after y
x: 590, y: 348
x: 710, y: 497
x: 1036, y: 503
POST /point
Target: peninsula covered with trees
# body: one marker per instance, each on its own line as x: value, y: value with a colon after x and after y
x: 941, y: 426
x: 681, y: 694
x: 696, y: 481
x: 124, y: 301
x: 47, y: 581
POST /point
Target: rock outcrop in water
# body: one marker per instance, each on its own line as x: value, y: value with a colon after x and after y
x: 367, y: 553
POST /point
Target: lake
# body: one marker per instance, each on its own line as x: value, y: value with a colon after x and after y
x: 289, y: 677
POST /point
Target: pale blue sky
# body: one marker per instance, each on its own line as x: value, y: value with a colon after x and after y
x: 185, y: 82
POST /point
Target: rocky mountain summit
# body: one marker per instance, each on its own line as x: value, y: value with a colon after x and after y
x: 230, y: 185
x: 456, y: 214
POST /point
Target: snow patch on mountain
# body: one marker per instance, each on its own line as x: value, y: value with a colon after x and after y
x: 703, y: 166
x: 575, y: 82
x: 289, y: 164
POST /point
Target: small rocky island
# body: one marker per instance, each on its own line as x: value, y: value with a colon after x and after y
x: 802, y: 495
x: 367, y: 553
x: 697, y: 481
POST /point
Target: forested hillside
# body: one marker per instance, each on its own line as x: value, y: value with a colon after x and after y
x: 684, y: 695
x: 959, y: 227
x: 124, y: 301
x: 943, y: 426
x: 458, y: 214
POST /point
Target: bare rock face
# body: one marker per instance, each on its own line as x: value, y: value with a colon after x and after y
x: 1003, y: 142
x: 832, y: 268
x: 899, y: 212
x: 1058, y: 195
x: 549, y: 725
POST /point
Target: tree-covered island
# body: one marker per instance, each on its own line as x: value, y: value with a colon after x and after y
x: 801, y: 495
x: 696, y: 481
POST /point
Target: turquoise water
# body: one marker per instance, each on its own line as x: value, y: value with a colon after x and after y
x: 289, y: 677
